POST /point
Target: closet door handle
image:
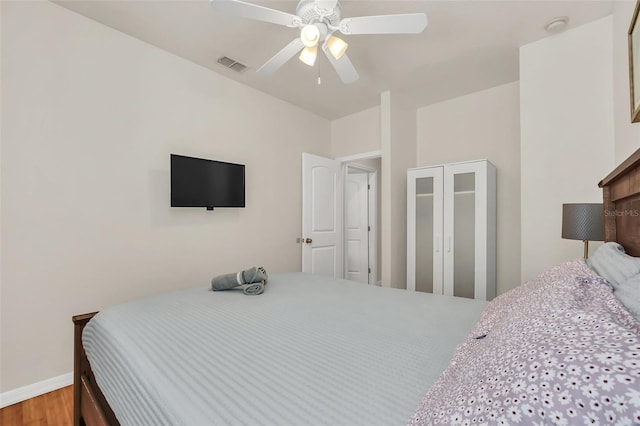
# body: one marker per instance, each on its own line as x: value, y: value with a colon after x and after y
x: 437, y: 244
x: 449, y: 247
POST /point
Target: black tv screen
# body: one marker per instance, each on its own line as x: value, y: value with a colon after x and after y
x: 196, y: 182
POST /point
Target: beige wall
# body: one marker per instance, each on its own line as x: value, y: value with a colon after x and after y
x: 627, y: 134
x: 398, y: 138
x: 1, y: 186
x: 567, y: 133
x: 356, y: 133
x: 90, y: 117
x: 360, y: 133
x: 482, y: 125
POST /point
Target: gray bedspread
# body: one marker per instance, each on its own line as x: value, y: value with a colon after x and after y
x: 310, y: 351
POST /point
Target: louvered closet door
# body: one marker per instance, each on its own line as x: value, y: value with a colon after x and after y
x: 424, y: 230
x: 465, y: 229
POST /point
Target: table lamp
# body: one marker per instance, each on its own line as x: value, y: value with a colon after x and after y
x: 583, y: 222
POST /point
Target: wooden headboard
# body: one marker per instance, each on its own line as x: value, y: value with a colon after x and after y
x: 621, y: 193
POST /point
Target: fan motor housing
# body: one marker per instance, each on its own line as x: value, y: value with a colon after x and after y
x: 309, y: 13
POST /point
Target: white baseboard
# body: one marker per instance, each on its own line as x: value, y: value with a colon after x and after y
x: 27, y: 392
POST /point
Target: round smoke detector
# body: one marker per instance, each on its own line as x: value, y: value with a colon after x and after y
x: 557, y: 25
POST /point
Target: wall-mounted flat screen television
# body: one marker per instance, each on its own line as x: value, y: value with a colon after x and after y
x: 197, y: 182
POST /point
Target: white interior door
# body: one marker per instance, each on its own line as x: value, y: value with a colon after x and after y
x: 322, y: 216
x: 357, y: 227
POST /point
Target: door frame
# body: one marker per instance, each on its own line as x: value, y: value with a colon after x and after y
x: 372, y: 218
x: 373, y: 260
x: 364, y: 156
x: 373, y: 242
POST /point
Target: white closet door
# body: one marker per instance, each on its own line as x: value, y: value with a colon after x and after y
x: 424, y: 230
x: 465, y: 229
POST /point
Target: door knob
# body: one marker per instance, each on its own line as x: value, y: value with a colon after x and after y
x: 308, y: 240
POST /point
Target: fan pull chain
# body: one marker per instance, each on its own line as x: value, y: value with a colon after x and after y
x: 319, y: 79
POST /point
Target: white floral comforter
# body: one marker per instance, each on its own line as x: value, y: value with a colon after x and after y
x: 558, y: 350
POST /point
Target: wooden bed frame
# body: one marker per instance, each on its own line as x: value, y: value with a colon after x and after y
x: 621, y: 195
x: 90, y: 407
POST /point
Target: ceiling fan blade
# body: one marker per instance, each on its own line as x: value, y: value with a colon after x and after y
x: 254, y: 11
x: 326, y: 4
x: 410, y: 23
x: 343, y: 67
x: 281, y: 58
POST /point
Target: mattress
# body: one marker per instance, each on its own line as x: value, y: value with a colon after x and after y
x: 310, y: 350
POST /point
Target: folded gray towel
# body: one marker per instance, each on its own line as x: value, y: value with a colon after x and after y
x: 254, y: 289
x: 257, y: 274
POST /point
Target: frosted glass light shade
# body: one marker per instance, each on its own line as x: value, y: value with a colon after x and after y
x: 310, y: 35
x: 309, y: 55
x: 337, y: 46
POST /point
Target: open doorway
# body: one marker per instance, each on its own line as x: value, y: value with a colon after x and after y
x: 362, y: 221
x: 341, y: 216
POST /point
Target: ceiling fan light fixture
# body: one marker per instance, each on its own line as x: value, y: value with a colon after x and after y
x: 316, y: 21
x: 310, y: 35
x: 337, y: 46
x: 309, y: 55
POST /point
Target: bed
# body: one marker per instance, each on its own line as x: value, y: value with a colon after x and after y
x: 336, y: 352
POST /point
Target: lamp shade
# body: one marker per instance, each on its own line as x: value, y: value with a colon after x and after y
x: 310, y: 35
x: 337, y: 46
x: 309, y: 55
x: 583, y: 222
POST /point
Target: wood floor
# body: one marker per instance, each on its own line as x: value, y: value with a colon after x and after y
x: 51, y: 409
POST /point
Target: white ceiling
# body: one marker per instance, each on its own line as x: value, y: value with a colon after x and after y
x: 467, y: 46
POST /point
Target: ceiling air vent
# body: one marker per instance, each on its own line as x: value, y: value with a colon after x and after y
x: 231, y: 64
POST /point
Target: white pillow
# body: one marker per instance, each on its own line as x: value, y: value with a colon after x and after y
x: 622, y: 271
x: 628, y: 293
x: 611, y: 262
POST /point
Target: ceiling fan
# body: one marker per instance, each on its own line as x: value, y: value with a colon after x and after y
x: 317, y: 21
